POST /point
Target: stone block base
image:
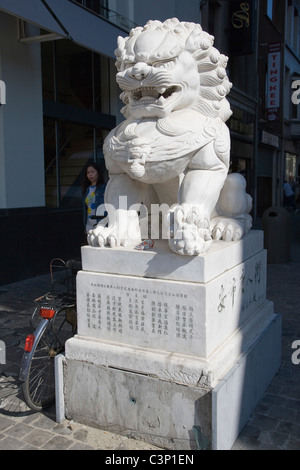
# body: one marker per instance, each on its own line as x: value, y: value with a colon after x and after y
x: 173, y: 350
x: 162, y: 412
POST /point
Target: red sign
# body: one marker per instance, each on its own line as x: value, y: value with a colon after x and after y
x: 273, y: 82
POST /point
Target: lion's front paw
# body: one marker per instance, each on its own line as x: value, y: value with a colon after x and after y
x: 111, y: 236
x: 228, y: 229
x: 189, y: 230
x: 100, y: 236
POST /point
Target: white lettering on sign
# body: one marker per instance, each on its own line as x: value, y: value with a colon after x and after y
x: 273, y: 84
x: 270, y: 139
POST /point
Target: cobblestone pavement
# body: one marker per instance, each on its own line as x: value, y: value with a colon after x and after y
x: 274, y: 423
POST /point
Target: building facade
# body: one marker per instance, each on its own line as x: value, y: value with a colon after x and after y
x: 59, y: 99
x: 278, y: 119
x: 291, y: 107
x: 238, y: 23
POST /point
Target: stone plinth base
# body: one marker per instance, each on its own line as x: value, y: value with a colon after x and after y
x: 160, y: 411
x: 178, y: 358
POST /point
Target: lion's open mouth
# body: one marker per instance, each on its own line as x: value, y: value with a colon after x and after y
x: 150, y: 95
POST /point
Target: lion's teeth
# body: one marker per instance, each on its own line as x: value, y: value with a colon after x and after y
x: 149, y: 93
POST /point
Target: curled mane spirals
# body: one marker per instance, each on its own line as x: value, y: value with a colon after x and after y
x: 211, y: 64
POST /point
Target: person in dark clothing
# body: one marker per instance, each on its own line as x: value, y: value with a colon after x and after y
x: 289, y: 196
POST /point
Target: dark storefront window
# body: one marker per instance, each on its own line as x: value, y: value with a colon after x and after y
x: 74, y: 75
x: 102, y: 9
x: 265, y: 169
x: 76, y: 98
x: 97, y: 6
x: 63, y: 177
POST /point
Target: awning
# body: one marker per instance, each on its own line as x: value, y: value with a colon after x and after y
x: 34, y: 12
x: 69, y: 21
x: 85, y: 28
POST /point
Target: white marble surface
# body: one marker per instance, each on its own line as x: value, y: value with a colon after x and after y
x: 189, y: 342
x: 173, y: 148
x: 160, y: 263
x: 183, y: 317
x: 118, y: 389
x: 172, y: 366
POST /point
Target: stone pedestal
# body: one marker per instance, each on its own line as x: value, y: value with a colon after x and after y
x: 171, y: 349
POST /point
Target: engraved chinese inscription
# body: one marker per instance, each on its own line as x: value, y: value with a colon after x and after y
x: 117, y: 309
x: 247, y: 288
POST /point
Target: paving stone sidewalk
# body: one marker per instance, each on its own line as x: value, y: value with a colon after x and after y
x: 275, y: 422
x: 273, y: 425
x: 21, y: 428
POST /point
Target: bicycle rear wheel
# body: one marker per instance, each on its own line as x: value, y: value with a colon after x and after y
x: 38, y: 387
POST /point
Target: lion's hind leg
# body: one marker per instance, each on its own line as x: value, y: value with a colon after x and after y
x: 231, y: 219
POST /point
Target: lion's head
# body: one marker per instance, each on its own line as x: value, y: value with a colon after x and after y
x: 164, y: 67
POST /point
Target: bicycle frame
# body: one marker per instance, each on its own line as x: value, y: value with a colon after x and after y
x: 53, y: 322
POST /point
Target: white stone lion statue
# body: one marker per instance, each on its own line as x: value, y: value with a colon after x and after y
x: 173, y: 148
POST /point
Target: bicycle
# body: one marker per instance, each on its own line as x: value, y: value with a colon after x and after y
x: 54, y: 321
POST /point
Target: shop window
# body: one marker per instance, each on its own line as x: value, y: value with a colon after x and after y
x: 296, y: 30
x: 76, y: 93
x: 270, y: 9
x: 97, y: 6
x: 290, y: 166
x: 74, y: 75
x: 275, y: 11
x: 289, y: 23
x: 77, y: 144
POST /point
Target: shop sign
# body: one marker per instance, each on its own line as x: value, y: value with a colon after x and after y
x: 241, y: 27
x: 269, y: 139
x: 273, y: 82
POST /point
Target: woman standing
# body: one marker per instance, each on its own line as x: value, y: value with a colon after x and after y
x: 93, y: 194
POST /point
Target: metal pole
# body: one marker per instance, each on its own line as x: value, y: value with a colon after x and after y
x: 57, y: 149
x: 256, y: 137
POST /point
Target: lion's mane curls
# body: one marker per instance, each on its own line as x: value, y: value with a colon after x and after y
x: 214, y: 82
